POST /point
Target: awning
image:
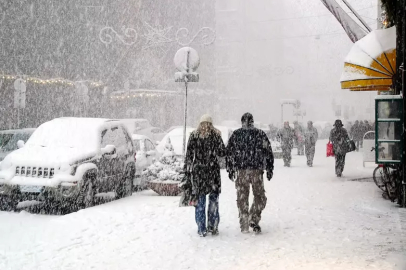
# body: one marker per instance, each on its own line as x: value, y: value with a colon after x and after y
x: 371, y: 63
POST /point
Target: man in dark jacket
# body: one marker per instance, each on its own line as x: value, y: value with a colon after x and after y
x: 311, y: 136
x: 286, y: 135
x: 339, y: 137
x: 249, y: 153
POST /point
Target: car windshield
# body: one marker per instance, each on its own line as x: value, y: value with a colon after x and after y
x: 66, y: 134
x: 141, y: 125
x: 11, y: 145
x: 4, y: 138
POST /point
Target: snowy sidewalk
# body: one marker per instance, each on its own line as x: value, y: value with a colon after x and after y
x: 313, y: 220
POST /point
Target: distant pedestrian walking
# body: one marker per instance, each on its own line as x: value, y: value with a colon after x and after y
x: 286, y: 138
x: 299, y: 140
x: 339, y: 137
x: 204, y: 147
x: 311, y: 137
x: 249, y: 153
x: 357, y: 134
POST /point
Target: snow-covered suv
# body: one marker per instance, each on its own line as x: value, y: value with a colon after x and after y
x: 70, y: 160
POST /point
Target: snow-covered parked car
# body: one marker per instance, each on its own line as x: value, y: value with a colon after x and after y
x: 176, y: 138
x: 146, y: 156
x: 70, y: 160
x: 9, y: 140
x: 143, y: 127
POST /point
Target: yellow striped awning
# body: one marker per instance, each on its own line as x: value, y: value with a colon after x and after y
x: 371, y: 63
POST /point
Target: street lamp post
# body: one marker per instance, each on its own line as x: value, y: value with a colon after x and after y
x: 294, y: 102
x: 186, y: 61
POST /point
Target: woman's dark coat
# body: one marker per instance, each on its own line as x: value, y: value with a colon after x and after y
x: 202, y: 162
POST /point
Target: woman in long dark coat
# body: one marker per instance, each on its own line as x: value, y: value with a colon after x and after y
x: 204, y: 147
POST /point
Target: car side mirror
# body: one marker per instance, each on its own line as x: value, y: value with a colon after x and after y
x: 20, y: 144
x: 108, y: 150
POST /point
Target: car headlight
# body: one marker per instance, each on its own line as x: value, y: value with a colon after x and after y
x: 68, y: 169
x: 5, y: 164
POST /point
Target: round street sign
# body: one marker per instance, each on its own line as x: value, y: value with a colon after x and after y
x: 19, y: 85
x: 186, y: 59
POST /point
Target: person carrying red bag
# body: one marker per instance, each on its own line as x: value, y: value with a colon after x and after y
x: 338, y: 137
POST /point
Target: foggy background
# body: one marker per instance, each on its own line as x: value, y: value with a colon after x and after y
x: 283, y: 50
x: 253, y: 54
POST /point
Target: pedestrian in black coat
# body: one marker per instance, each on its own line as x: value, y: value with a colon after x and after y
x: 311, y: 136
x: 339, y: 137
x: 201, y: 162
x: 286, y: 136
x: 357, y: 133
x: 249, y: 153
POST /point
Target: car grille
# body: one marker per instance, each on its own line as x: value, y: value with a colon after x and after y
x: 40, y: 172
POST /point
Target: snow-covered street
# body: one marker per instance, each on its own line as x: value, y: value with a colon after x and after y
x: 313, y: 220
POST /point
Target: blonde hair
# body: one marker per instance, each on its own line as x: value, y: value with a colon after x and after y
x: 205, y: 129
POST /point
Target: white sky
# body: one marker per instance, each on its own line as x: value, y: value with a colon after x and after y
x: 294, y: 49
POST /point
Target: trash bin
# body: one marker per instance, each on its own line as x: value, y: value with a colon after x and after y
x: 368, y: 147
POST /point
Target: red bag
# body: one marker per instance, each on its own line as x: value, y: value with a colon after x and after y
x: 330, y: 151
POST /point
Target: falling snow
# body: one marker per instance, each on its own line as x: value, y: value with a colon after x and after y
x: 115, y: 113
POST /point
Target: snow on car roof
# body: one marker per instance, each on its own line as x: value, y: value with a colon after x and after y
x: 12, y: 131
x: 84, y: 120
x: 179, y: 131
x: 81, y: 133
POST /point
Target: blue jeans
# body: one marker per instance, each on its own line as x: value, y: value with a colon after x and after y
x: 213, y: 212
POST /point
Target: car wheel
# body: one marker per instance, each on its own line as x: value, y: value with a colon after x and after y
x: 87, y: 191
x: 125, y: 187
x: 8, y: 204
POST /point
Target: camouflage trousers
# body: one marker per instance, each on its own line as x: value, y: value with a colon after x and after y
x: 310, y: 151
x: 340, y: 162
x: 246, y: 178
x: 286, y: 155
x: 300, y: 149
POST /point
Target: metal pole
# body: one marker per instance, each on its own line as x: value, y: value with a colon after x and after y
x: 282, y: 114
x: 184, y: 123
x: 370, y: 106
x: 18, y: 117
x: 357, y: 15
x: 404, y: 103
x: 380, y: 24
x: 185, y: 120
